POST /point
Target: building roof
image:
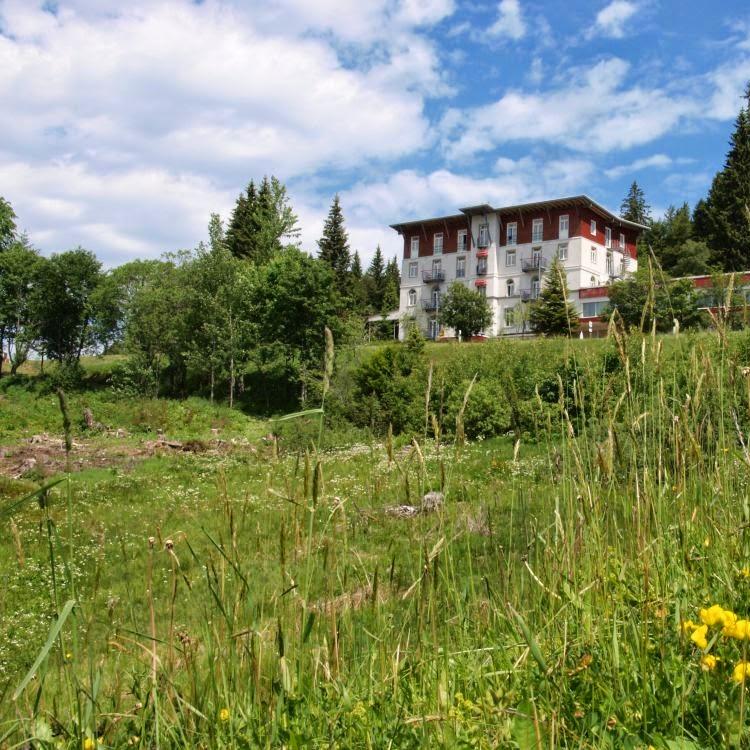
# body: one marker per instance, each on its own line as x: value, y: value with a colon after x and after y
x: 485, y: 208
x: 409, y: 224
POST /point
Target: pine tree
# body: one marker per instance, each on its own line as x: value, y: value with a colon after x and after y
x: 552, y: 314
x: 375, y: 282
x: 634, y: 206
x: 334, y: 247
x: 722, y: 219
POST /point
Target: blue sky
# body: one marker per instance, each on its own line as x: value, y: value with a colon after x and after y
x: 125, y: 124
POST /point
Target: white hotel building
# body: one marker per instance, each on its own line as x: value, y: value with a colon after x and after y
x: 504, y: 252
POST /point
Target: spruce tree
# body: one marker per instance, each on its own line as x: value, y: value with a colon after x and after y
x: 722, y: 219
x: 356, y: 270
x: 634, y: 206
x: 333, y: 247
x: 242, y: 231
x: 391, y: 286
x: 552, y: 314
x: 375, y: 282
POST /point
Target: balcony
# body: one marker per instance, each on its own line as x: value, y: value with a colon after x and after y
x: 529, y: 295
x: 433, y: 277
x: 534, y: 264
x: 482, y: 253
x: 430, y: 305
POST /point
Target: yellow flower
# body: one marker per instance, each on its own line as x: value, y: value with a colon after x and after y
x: 711, y: 616
x: 89, y: 744
x: 745, y: 572
x: 699, y: 636
x: 740, y: 630
x: 729, y: 621
x: 688, y: 626
x: 708, y: 662
x: 224, y: 714
x: 741, y: 672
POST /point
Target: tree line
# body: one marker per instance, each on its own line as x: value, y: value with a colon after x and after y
x: 242, y: 314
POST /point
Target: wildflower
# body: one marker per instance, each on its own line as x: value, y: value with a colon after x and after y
x: 89, y: 744
x: 688, y: 626
x: 68, y: 656
x: 224, y: 714
x: 699, y: 637
x: 741, y: 672
x: 714, y: 615
x: 740, y: 630
x: 708, y: 662
x: 745, y: 572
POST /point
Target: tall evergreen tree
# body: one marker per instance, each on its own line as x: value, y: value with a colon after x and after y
x: 261, y: 222
x: 334, y: 247
x: 553, y: 314
x: 356, y: 270
x: 7, y: 224
x: 634, y: 206
x: 375, y: 282
x: 722, y: 220
x: 391, y: 285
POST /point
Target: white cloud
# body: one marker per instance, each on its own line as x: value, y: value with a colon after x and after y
x: 729, y: 83
x: 657, y: 161
x: 195, y: 98
x: 611, y: 20
x: 510, y: 21
x: 595, y: 111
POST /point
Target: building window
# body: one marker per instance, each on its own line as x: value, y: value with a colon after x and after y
x: 460, y: 268
x: 461, y: 241
x: 482, y: 291
x: 481, y: 266
x: 436, y: 269
x: 484, y: 235
x: 413, y: 269
x: 593, y: 227
x: 564, y: 227
x: 509, y: 317
x: 593, y: 309
x: 434, y: 329
x: 610, y: 265
x: 562, y: 251
x: 535, y: 287
x: 607, y: 237
x: 436, y: 298
x: 594, y: 281
x: 412, y: 297
x: 510, y: 257
x: 537, y: 230
x: 414, y: 247
x: 622, y: 243
x: 510, y: 288
x: 437, y: 244
x: 593, y: 255
x: 512, y: 233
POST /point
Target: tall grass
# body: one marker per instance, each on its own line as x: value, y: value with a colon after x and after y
x: 541, y: 607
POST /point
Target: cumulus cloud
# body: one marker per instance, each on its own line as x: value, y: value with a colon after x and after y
x: 596, y: 111
x: 509, y: 21
x: 205, y: 94
x: 657, y: 161
x: 611, y: 20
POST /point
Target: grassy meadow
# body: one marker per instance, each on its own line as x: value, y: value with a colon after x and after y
x: 233, y: 590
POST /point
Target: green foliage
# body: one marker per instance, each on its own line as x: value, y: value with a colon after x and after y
x: 723, y: 219
x: 262, y: 222
x: 487, y: 412
x: 374, y: 283
x: 62, y: 304
x: 17, y: 272
x: 465, y: 310
x: 7, y: 225
x: 643, y: 299
x: 333, y: 248
x: 634, y: 206
x: 553, y: 314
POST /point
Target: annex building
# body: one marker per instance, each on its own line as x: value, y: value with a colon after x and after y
x: 504, y: 253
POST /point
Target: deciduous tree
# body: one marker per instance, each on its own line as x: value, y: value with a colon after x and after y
x: 465, y: 310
